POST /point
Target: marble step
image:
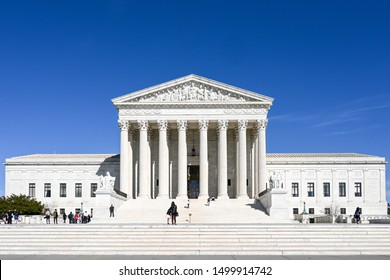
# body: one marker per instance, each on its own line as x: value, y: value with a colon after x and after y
x: 194, y: 240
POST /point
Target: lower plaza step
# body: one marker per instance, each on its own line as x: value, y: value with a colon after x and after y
x: 194, y: 239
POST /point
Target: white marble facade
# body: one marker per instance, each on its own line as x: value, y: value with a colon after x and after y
x: 193, y: 138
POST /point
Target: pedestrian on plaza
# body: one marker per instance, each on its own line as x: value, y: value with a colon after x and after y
x: 47, y: 216
x: 357, y: 215
x: 70, y: 217
x: 9, y: 217
x: 55, y: 216
x: 16, y: 216
x: 76, y: 217
x: 64, y: 217
x: 112, y: 210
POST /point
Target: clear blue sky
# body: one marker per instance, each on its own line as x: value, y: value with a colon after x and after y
x: 326, y: 63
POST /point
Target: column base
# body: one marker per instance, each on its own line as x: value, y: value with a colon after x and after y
x: 162, y: 196
x: 223, y: 196
x: 242, y: 196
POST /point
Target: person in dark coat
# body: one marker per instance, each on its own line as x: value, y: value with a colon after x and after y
x: 112, y: 210
x: 357, y: 215
x: 9, y: 217
x: 172, y: 211
x: 64, y: 217
x: 70, y: 217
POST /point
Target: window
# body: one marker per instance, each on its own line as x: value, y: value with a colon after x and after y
x: 295, y: 211
x: 326, y: 189
x: 77, y: 210
x: 310, y: 189
x: 93, y: 189
x: 62, y: 190
x: 295, y: 189
x: 78, y: 190
x: 31, y: 190
x: 311, y: 211
x: 342, y: 190
x: 327, y: 211
x: 62, y: 211
x: 47, y: 192
x: 343, y: 211
x: 358, y: 189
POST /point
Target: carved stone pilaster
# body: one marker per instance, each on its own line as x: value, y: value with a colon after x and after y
x: 261, y: 124
x: 223, y: 125
x: 182, y: 125
x: 242, y: 124
x: 143, y: 124
x: 124, y: 125
x: 203, y: 124
x: 162, y: 125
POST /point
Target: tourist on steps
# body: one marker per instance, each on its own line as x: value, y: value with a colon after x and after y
x: 172, y: 211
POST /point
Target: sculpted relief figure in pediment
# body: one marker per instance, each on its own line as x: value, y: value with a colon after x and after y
x: 191, y: 91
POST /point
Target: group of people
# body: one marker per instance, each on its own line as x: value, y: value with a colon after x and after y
x: 78, y: 218
x: 10, y: 216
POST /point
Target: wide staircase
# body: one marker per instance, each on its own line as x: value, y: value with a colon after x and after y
x: 193, y: 240
x: 231, y: 211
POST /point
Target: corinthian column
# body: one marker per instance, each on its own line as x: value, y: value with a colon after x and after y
x: 242, y: 124
x: 124, y: 160
x: 130, y: 168
x: 143, y: 159
x: 163, y: 160
x: 204, y: 162
x: 182, y: 159
x: 262, y: 165
x: 222, y: 159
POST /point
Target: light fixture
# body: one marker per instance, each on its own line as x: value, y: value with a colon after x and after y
x: 193, y: 145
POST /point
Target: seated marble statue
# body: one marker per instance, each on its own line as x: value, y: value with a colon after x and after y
x: 107, y: 182
x: 274, y: 180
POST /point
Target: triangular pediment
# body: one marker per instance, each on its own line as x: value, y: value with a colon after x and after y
x: 191, y: 89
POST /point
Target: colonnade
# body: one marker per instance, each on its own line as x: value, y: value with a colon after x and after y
x: 144, y: 165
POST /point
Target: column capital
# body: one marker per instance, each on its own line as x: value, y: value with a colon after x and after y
x: 261, y: 124
x: 242, y: 124
x: 162, y: 125
x: 182, y: 125
x: 143, y: 124
x: 223, y: 125
x: 124, y: 125
x: 203, y: 124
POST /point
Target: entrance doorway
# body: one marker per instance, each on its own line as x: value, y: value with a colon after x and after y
x: 193, y: 181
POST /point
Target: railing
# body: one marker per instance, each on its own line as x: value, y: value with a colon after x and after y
x: 120, y: 193
x: 262, y: 193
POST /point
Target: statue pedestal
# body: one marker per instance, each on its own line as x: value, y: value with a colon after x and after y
x: 274, y: 202
x: 103, y: 203
x: 305, y: 218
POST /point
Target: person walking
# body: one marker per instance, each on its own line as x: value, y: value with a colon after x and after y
x: 172, y: 211
x: 70, y: 217
x: 357, y: 215
x: 9, y: 217
x: 47, y: 216
x: 112, y: 211
x: 16, y: 216
x: 55, y: 216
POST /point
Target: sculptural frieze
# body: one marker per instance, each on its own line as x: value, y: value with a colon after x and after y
x: 190, y: 92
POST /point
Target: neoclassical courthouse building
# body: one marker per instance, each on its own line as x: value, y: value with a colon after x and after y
x: 193, y: 138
